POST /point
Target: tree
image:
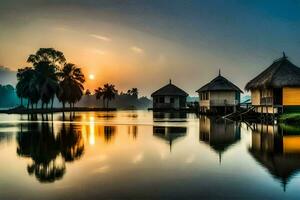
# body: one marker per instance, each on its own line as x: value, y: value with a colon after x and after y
x: 88, y: 92
x: 27, y: 85
x: 109, y: 93
x: 99, y: 94
x: 133, y: 92
x: 47, y: 81
x: 54, y: 57
x: 71, y: 84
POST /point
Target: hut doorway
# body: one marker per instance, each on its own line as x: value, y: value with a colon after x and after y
x: 277, y: 94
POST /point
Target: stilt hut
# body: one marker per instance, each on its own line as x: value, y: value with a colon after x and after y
x: 169, y: 97
x: 276, y: 89
x: 219, y: 96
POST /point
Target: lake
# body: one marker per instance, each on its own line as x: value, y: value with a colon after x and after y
x: 140, y: 154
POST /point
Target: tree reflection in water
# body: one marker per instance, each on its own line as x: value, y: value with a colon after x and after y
x: 133, y: 130
x: 47, y: 151
x: 109, y: 133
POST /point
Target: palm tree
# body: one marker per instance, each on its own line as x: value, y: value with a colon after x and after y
x: 26, y: 86
x: 71, y: 84
x: 88, y: 92
x: 47, y: 81
x: 109, y: 93
x: 134, y: 92
x: 99, y: 94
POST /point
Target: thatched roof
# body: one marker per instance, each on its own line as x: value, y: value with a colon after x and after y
x: 219, y: 84
x: 170, y: 90
x: 281, y: 73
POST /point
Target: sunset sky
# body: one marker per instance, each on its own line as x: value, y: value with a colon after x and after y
x: 139, y: 43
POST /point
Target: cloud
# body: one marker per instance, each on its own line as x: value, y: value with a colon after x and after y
x: 137, y: 49
x: 101, y: 37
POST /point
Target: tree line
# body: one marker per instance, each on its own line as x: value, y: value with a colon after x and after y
x: 52, y: 76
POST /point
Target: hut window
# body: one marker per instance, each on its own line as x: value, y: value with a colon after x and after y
x: 204, y: 96
x: 172, y: 100
x: 266, y: 93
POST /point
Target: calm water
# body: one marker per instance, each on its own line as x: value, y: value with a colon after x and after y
x: 136, y: 154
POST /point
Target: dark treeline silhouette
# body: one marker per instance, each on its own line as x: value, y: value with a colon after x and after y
x: 108, y: 92
x: 108, y: 96
x: 49, y: 76
x: 8, y: 96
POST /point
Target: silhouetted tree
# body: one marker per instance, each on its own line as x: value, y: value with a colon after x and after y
x: 50, y: 55
x: 88, y: 92
x: 133, y: 92
x: 27, y: 85
x: 47, y: 81
x: 109, y: 93
x: 71, y: 84
x: 99, y: 94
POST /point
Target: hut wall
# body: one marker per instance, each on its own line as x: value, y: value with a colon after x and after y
x: 291, y: 144
x: 218, y: 98
x: 255, y: 97
x: 166, y: 102
x: 291, y: 96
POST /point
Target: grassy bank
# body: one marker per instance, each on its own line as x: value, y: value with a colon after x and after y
x: 292, y: 118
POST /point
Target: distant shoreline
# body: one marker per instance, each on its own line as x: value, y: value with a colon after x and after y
x: 54, y: 110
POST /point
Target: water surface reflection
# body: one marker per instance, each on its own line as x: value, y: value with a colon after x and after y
x: 277, y: 149
x: 219, y: 134
x: 49, y: 152
x: 124, y: 154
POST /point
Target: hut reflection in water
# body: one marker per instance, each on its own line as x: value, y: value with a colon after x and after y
x: 219, y: 134
x: 169, y: 133
x: 278, y: 150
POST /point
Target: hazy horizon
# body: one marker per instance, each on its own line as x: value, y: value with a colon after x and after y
x: 145, y: 43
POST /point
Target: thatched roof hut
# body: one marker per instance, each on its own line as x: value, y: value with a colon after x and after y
x: 169, y: 97
x: 219, y: 96
x: 219, y: 83
x: 281, y: 73
x: 170, y: 90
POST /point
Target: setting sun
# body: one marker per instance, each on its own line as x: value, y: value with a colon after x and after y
x: 91, y: 76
